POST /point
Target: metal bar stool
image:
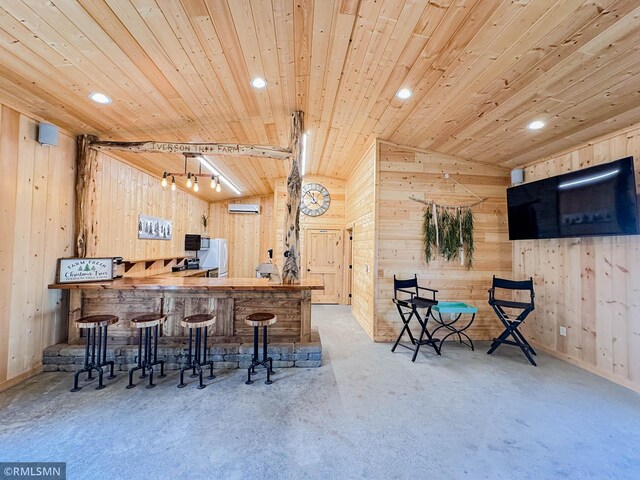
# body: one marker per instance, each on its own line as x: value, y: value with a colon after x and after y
x: 95, y: 359
x: 257, y: 320
x: 149, y: 357
x: 197, y: 356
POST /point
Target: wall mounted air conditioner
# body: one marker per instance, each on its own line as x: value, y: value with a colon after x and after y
x: 243, y: 208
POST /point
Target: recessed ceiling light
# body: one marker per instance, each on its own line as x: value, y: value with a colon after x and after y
x: 100, y: 98
x: 404, y: 93
x: 536, y: 125
x: 259, y: 82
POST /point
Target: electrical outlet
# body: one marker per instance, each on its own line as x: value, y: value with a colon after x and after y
x: 563, y: 331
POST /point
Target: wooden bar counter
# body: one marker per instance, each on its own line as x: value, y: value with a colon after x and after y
x: 232, y: 299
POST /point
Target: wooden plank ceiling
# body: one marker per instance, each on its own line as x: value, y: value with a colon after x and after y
x: 480, y: 70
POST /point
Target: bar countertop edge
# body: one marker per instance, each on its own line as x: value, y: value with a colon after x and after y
x: 204, y: 284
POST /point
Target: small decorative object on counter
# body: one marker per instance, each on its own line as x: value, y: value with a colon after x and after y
x: 275, y: 277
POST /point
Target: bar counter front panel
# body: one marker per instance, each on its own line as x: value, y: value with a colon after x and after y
x: 231, y: 299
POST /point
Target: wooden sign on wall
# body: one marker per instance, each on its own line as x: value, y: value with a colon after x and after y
x: 78, y: 270
x: 153, y: 228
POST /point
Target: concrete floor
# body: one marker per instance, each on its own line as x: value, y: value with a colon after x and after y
x: 366, y: 413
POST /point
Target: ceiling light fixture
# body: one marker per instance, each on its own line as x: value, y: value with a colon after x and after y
x: 536, y: 125
x: 404, y: 93
x: 221, y: 178
x: 192, y: 178
x: 259, y: 82
x: 100, y: 98
x: 303, y: 167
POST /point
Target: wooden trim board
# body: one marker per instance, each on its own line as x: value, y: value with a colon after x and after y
x: 589, y: 368
x: 12, y: 382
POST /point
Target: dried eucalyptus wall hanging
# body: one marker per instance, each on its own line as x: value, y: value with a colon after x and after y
x: 448, y: 232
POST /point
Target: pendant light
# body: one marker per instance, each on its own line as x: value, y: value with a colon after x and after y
x: 192, y: 178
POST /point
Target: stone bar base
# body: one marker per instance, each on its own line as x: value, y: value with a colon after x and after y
x: 69, y: 358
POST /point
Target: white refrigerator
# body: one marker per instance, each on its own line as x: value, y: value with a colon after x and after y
x: 216, y: 257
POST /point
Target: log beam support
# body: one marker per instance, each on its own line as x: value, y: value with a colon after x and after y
x: 236, y: 149
x: 85, y: 210
x: 291, y: 269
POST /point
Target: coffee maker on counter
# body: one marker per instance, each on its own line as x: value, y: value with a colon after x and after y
x: 192, y: 263
x: 195, y: 243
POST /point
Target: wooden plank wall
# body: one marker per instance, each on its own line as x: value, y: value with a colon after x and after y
x: 36, y: 214
x: 591, y: 286
x: 403, y: 172
x: 360, y: 216
x: 334, y: 218
x: 249, y: 235
x: 122, y: 193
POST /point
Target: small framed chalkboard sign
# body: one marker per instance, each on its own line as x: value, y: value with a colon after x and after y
x: 78, y: 270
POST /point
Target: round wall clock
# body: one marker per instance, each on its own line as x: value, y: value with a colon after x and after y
x: 315, y: 199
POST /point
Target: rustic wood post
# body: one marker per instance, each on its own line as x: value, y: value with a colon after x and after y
x: 85, y: 211
x: 291, y: 269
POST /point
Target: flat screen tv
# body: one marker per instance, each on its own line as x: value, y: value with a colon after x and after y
x: 600, y: 200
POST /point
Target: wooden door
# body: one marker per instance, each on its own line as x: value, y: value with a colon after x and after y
x: 323, y: 257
